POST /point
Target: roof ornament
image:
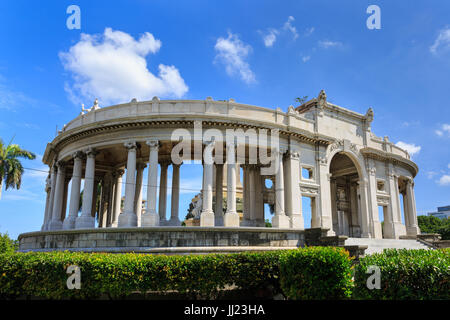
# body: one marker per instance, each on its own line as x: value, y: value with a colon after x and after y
x: 369, y: 115
x: 369, y: 118
x: 95, y: 106
x: 322, y: 99
x: 83, y: 110
x: 291, y: 109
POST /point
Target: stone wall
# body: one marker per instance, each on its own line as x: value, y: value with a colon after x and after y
x: 164, y: 239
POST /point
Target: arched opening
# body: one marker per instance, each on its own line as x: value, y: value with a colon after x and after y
x: 345, y: 197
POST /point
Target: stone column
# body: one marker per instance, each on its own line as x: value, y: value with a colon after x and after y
x: 85, y: 220
x: 231, y: 218
x: 74, y: 203
x: 293, y: 195
x: 355, y: 227
x: 117, y: 198
x: 219, y: 195
x: 393, y: 225
x: 94, y: 197
x: 128, y: 218
x: 174, y: 220
x: 47, y: 213
x: 138, y: 193
x: 324, y: 202
x: 65, y: 196
x: 363, y: 192
x: 334, y: 210
x: 56, y: 223
x: 259, y: 198
x: 162, y: 205
x: 110, y: 207
x: 279, y: 220
x: 412, y: 228
x: 252, y: 195
x: 151, y: 217
x: 207, y: 214
x: 105, y: 201
x: 373, y: 202
x: 246, y: 195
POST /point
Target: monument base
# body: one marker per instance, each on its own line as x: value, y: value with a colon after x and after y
x: 162, y: 239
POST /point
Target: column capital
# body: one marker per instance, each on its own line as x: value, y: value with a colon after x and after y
x: 141, y: 166
x: 130, y: 145
x: 153, y: 143
x: 118, y: 173
x: 78, y: 155
x: 409, y: 181
x: 60, y: 164
x: 322, y: 160
x: 91, y: 152
x: 176, y: 164
x: 372, y: 171
x: 164, y: 163
x: 293, y: 154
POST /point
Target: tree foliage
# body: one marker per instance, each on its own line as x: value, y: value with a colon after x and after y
x: 11, y: 168
x: 430, y: 224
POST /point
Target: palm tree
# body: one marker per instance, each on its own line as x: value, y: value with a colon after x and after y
x: 11, y: 169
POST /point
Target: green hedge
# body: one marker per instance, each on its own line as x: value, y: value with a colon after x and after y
x: 316, y: 273
x: 406, y: 274
x: 118, y: 275
x: 308, y: 273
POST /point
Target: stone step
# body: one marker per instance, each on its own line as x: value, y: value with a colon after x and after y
x: 378, y: 245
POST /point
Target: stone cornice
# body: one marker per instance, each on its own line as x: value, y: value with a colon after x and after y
x: 96, y: 128
x: 387, y: 156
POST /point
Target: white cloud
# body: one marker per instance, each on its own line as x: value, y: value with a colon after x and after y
x: 270, y: 37
x: 411, y: 148
x: 113, y: 67
x: 11, y: 99
x: 288, y: 26
x: 309, y: 31
x: 444, y: 129
x: 444, y: 180
x: 329, y: 44
x: 232, y: 53
x: 431, y: 174
x: 306, y: 58
x: 442, y: 41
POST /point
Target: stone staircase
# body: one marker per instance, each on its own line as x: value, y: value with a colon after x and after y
x: 377, y: 245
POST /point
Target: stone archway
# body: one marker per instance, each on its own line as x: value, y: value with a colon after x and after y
x: 345, y: 196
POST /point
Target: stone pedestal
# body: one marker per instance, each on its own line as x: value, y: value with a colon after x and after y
x: 280, y: 221
x: 127, y: 220
x: 207, y: 219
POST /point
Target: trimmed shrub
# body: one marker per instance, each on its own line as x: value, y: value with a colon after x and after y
x: 118, y: 275
x: 316, y: 273
x: 406, y: 274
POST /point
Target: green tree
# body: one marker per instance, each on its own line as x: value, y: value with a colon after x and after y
x: 11, y: 169
x: 7, y: 245
x: 444, y: 229
x: 429, y: 224
x: 301, y: 100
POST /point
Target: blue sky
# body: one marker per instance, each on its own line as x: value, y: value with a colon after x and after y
x: 263, y: 53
